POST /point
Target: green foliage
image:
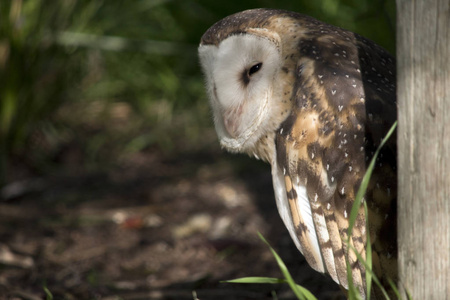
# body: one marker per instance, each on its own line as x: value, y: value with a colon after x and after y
x: 72, y: 68
x: 48, y: 294
x: 299, y: 291
x: 32, y: 70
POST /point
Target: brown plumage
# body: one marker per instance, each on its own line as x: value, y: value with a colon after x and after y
x: 314, y: 101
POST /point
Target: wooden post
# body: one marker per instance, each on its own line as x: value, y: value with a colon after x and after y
x: 423, y: 62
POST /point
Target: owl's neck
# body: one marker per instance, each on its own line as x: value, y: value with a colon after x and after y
x: 264, y: 148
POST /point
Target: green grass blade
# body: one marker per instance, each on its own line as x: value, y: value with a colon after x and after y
x: 274, y: 295
x: 368, y: 255
x: 269, y: 280
x: 49, y: 295
x: 306, y: 293
x: 352, y: 219
x: 300, y: 292
x: 394, y: 288
x: 364, y: 183
x: 369, y: 270
x: 408, y: 294
x: 353, y: 292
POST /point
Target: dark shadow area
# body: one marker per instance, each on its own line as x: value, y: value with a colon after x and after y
x: 153, y: 228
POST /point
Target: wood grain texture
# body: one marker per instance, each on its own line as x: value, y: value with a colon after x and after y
x: 423, y: 58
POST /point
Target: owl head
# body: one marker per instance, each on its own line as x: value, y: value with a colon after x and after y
x: 241, y: 60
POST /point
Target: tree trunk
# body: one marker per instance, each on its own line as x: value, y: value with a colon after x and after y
x: 423, y: 60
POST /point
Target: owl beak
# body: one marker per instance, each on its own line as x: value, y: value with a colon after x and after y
x: 231, y: 126
x: 231, y: 121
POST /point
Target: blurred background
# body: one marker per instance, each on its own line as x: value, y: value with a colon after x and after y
x: 112, y: 182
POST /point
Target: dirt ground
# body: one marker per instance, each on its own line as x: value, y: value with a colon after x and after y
x: 151, y: 227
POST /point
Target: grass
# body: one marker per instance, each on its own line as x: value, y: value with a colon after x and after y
x: 353, y: 294
x: 299, y: 291
x: 48, y: 294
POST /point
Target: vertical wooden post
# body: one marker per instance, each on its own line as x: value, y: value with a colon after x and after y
x: 423, y: 60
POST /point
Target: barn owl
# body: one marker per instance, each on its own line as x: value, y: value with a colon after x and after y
x: 314, y: 101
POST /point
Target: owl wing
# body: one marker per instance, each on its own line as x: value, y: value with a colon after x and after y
x: 321, y: 151
x: 315, y: 186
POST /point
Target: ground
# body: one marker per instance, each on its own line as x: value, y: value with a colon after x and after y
x: 151, y: 227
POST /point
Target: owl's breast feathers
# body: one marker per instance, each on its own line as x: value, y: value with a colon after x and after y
x: 342, y: 103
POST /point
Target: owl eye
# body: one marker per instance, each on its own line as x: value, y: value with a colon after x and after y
x: 254, y: 69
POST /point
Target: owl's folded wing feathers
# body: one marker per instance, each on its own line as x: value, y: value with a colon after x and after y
x: 320, y: 162
x: 316, y: 212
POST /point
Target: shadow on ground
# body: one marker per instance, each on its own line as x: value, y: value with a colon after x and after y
x: 152, y: 228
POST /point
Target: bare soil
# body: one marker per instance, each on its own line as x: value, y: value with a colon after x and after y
x: 152, y: 227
